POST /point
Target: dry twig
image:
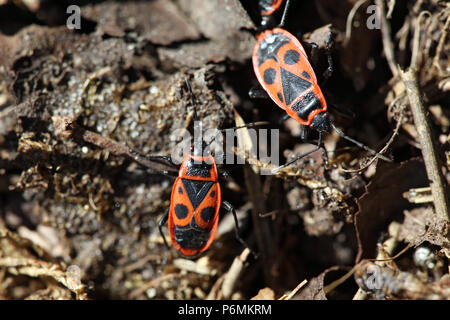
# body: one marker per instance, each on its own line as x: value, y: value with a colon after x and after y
x: 350, y: 17
x: 66, y: 127
x: 388, y: 46
x: 233, y: 273
x: 293, y: 292
x: 430, y: 154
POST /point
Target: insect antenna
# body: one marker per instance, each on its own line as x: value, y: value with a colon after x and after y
x: 285, y: 12
x: 318, y: 146
x: 359, y: 144
x: 192, y: 96
x: 248, y: 125
x: 197, y: 144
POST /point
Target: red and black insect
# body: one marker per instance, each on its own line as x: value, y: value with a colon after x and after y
x: 285, y: 73
x: 283, y: 69
x: 195, y: 201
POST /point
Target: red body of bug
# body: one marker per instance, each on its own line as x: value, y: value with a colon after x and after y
x: 284, y: 71
x: 194, y: 206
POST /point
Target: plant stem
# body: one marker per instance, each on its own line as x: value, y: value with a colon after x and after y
x: 429, y: 152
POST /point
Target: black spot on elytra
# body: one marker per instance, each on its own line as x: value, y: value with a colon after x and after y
x: 291, y: 57
x: 207, y: 213
x: 269, y: 75
x: 213, y: 194
x: 180, y: 190
x: 181, y: 211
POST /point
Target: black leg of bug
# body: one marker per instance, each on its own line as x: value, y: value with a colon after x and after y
x: 319, y: 146
x: 206, y: 146
x: 325, y: 157
x: 139, y: 156
x: 227, y: 206
x: 150, y: 161
x: 258, y: 93
x: 161, y: 223
x: 327, y: 74
x: 163, y: 172
x: 304, y: 133
x: 324, y: 151
x: 359, y: 144
x: 313, y: 49
x: 230, y: 167
x: 314, y: 56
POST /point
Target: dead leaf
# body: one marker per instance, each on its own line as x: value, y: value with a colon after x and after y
x: 383, y: 201
x: 314, y: 290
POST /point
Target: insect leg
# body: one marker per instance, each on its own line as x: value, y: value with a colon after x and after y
x: 314, y: 55
x: 227, y: 206
x: 313, y: 52
x: 162, y: 222
x: 325, y: 157
x: 319, y: 146
x: 138, y: 156
x: 304, y: 136
x: 147, y: 160
x: 304, y: 133
x: 359, y: 144
x: 327, y: 74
